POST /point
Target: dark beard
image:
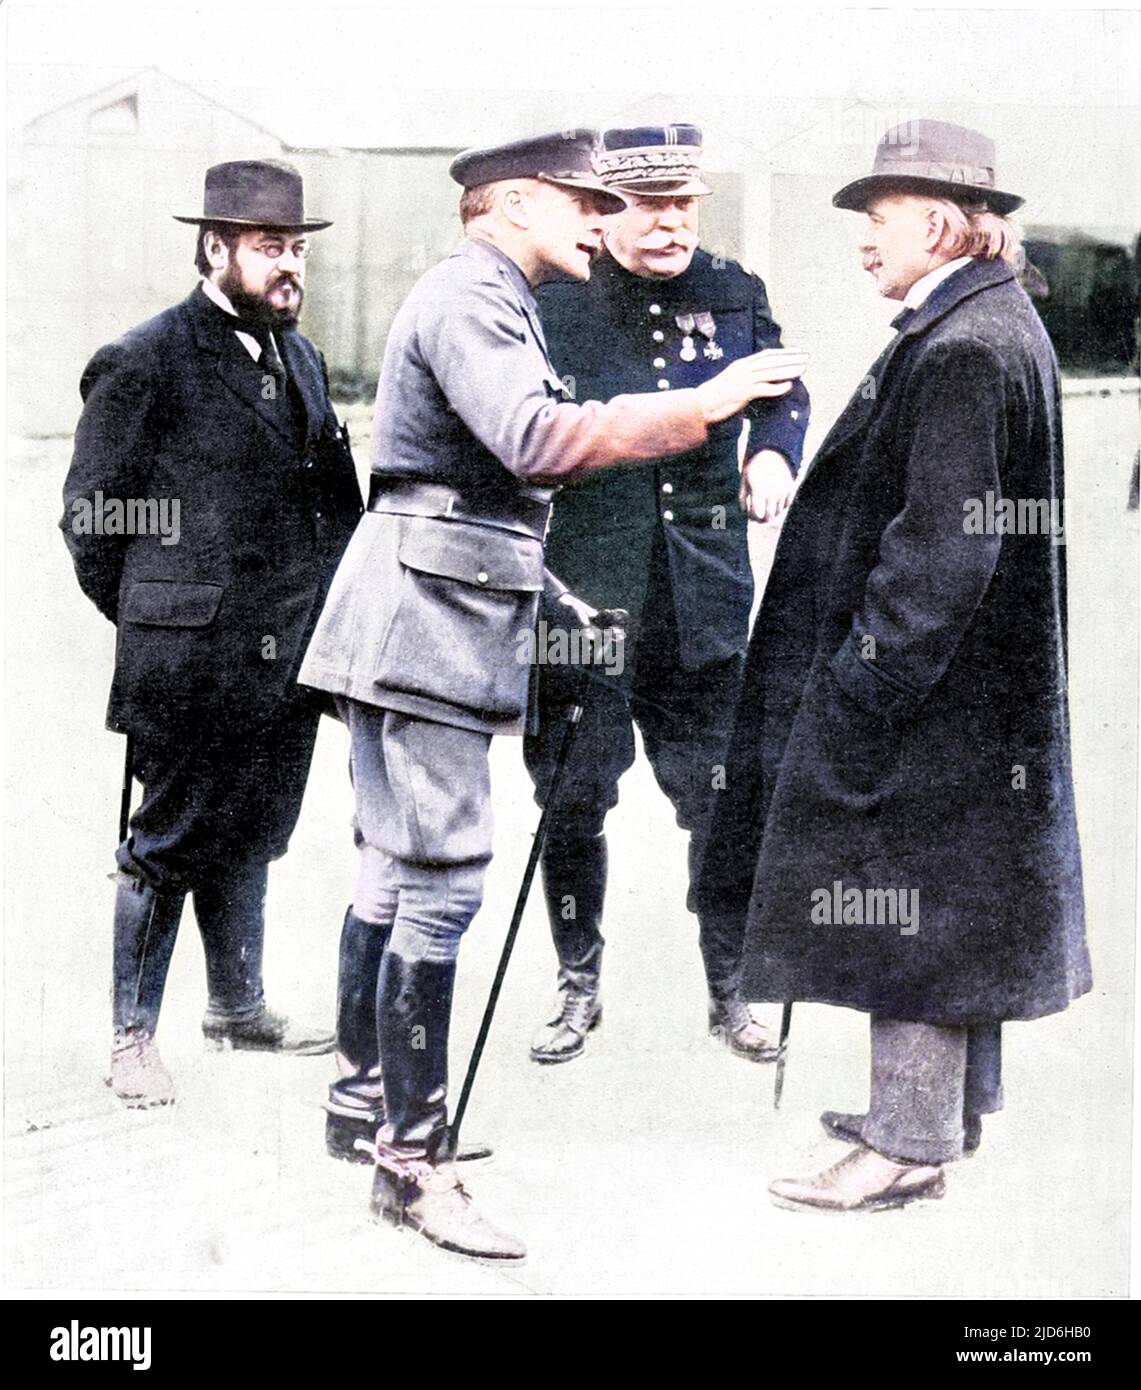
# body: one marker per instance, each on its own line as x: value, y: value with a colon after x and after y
x: 253, y: 308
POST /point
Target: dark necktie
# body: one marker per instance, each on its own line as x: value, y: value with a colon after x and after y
x: 902, y: 319
x: 271, y: 359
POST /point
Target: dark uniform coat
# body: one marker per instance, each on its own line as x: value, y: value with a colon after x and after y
x: 214, y: 625
x: 620, y: 333
x: 904, y: 719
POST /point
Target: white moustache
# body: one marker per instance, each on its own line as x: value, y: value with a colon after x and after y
x: 659, y: 242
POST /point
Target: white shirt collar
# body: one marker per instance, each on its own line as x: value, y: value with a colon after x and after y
x: 248, y: 341
x: 926, y: 283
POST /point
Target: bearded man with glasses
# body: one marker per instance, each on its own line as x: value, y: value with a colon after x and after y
x: 219, y: 411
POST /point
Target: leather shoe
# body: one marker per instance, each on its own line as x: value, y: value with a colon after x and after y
x: 863, y: 1180
x: 410, y: 1190
x: 138, y: 1076
x: 564, y: 1037
x: 266, y: 1031
x: 731, y: 1021
x: 849, y: 1129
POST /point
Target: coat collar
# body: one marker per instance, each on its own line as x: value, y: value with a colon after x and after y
x: 944, y: 298
x: 506, y: 267
x: 214, y: 332
x: 970, y: 280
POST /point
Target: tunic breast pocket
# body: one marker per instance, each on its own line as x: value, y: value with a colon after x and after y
x: 467, y: 594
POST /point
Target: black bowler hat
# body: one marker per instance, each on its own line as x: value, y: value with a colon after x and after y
x: 565, y: 158
x: 256, y: 193
x: 925, y: 156
x: 660, y: 161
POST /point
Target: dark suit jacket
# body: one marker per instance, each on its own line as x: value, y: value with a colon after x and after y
x: 903, y: 722
x: 620, y: 333
x: 214, y: 625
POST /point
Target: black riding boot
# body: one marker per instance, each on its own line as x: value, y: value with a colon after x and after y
x: 415, y: 1183
x: 356, y: 1099
x: 574, y: 882
x: 146, y: 924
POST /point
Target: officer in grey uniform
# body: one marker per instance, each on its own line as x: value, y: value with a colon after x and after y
x: 420, y: 635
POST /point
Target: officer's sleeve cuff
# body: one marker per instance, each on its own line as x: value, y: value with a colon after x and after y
x: 781, y: 432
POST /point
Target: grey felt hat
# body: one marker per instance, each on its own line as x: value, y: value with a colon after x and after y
x: 925, y: 156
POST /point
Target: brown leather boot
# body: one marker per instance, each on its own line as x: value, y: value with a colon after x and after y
x: 138, y: 1076
x: 409, y: 1189
x: 731, y: 1022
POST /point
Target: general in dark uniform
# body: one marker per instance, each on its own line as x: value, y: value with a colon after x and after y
x: 215, y: 415
x: 666, y: 540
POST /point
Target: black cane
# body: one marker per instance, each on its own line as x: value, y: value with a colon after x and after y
x: 573, y: 719
x: 782, y: 1055
x: 125, y: 794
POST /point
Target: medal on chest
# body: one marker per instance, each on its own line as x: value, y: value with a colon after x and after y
x: 704, y: 324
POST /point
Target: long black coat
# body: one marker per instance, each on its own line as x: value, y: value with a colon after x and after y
x: 619, y: 333
x: 904, y: 718
x: 215, y: 625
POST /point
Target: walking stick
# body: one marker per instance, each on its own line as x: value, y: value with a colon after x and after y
x: 125, y: 795
x: 782, y: 1055
x: 573, y: 719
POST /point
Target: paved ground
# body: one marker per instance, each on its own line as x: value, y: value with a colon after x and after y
x: 640, y: 1168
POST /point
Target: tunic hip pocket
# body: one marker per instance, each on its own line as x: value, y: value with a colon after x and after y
x: 461, y: 631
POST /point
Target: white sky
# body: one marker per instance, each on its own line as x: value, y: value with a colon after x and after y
x: 314, y: 66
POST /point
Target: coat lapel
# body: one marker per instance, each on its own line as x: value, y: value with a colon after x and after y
x: 971, y: 280
x: 237, y: 369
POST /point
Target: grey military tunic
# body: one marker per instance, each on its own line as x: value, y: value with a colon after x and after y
x: 427, y: 611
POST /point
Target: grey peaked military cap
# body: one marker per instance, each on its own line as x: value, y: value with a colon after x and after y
x: 565, y: 157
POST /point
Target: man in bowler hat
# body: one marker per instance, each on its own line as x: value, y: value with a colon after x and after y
x: 220, y: 408
x: 899, y: 827
x: 424, y: 624
x: 665, y: 540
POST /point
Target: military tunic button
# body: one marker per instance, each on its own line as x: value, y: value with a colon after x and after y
x: 795, y: 414
x: 663, y: 385
x: 658, y: 336
x: 659, y: 362
x: 667, y: 516
x: 482, y: 576
x: 655, y: 308
x: 667, y: 488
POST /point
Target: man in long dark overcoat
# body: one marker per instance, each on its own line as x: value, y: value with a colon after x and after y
x: 899, y: 821
x: 214, y: 418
